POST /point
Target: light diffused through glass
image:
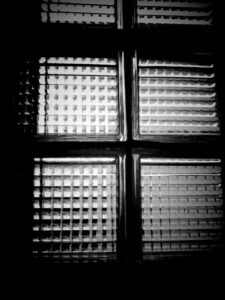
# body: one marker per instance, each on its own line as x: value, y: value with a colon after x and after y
x: 75, y: 208
x: 78, y: 96
x: 170, y: 12
x: 182, y: 206
x: 177, y: 98
x: 91, y: 12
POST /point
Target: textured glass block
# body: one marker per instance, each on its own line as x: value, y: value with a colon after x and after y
x: 182, y: 206
x: 78, y: 96
x: 88, y: 12
x: 170, y: 12
x: 75, y: 98
x: 75, y: 204
x: 177, y: 98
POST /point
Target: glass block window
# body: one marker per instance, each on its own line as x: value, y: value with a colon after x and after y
x: 182, y: 206
x: 77, y: 98
x: 76, y: 206
x: 170, y: 12
x: 87, y: 12
x: 176, y: 98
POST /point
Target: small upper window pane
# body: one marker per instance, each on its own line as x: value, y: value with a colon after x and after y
x: 170, y: 12
x: 83, y: 12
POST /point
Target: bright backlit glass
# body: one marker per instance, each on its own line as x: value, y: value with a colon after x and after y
x: 78, y: 96
x: 75, y: 208
x: 182, y: 206
x: 88, y: 12
x: 177, y: 98
x: 170, y: 12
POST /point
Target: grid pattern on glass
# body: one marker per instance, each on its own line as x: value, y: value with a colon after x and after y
x: 89, y: 12
x: 182, y: 206
x: 172, y: 12
x: 177, y: 98
x: 75, y: 208
x: 25, y: 104
x: 78, y: 96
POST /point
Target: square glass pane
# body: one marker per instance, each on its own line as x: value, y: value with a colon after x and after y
x: 77, y: 98
x: 176, y: 98
x: 76, y: 208
x: 182, y: 206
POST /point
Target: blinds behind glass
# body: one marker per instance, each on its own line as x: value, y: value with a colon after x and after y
x: 169, y: 12
x: 182, y: 206
x: 88, y: 12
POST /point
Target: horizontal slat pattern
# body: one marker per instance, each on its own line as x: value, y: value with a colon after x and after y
x: 182, y: 206
x: 170, y: 12
x: 92, y: 12
x: 177, y: 98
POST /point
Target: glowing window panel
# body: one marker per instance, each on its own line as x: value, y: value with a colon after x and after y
x: 177, y: 98
x: 182, y: 206
x: 78, y: 96
x: 72, y: 98
x: 170, y: 12
x: 75, y: 204
x: 88, y: 12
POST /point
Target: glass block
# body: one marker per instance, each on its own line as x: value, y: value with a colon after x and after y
x: 182, y: 206
x: 170, y: 12
x: 78, y: 96
x: 177, y: 98
x: 75, y: 221
x: 75, y: 98
x: 85, y: 12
